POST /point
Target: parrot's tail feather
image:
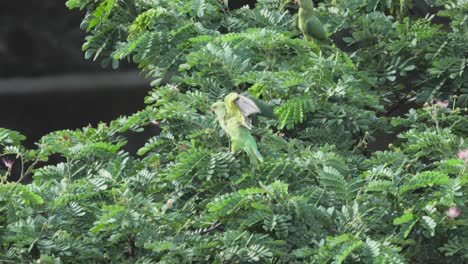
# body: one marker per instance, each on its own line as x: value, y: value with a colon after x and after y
x: 254, y: 155
x: 259, y: 156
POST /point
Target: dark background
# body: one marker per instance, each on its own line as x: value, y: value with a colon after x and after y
x: 42, y: 39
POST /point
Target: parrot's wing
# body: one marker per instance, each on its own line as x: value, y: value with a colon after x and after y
x: 247, y: 106
x: 266, y: 109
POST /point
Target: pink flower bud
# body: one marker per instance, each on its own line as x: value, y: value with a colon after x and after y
x: 8, y: 163
x: 453, y: 212
x: 170, y: 203
x: 463, y: 154
x: 441, y: 103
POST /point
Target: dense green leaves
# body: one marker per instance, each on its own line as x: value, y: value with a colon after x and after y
x: 323, y: 195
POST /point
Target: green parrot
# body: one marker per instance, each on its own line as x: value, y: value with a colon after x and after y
x: 233, y: 117
x: 239, y: 108
x: 309, y: 24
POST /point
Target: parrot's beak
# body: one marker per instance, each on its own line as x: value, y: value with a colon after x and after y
x: 212, y: 110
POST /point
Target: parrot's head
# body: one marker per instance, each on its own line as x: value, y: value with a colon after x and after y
x: 218, y: 108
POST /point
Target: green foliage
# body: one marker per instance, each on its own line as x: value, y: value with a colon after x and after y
x: 293, y: 112
x: 323, y: 193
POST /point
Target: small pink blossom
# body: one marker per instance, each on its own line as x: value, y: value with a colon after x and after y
x: 441, y: 103
x: 453, y: 212
x: 463, y: 154
x: 8, y: 163
x: 155, y: 122
x: 183, y: 147
x: 170, y: 203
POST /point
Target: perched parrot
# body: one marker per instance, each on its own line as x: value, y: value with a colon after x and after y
x: 240, y: 107
x: 309, y: 24
x: 233, y: 117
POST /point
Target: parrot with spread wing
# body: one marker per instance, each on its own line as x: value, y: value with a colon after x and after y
x: 309, y: 23
x: 240, y: 108
x: 233, y: 117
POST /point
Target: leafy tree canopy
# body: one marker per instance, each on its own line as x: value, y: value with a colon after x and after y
x: 322, y: 195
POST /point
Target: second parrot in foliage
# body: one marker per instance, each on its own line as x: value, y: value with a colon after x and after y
x: 233, y: 117
x: 309, y: 23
